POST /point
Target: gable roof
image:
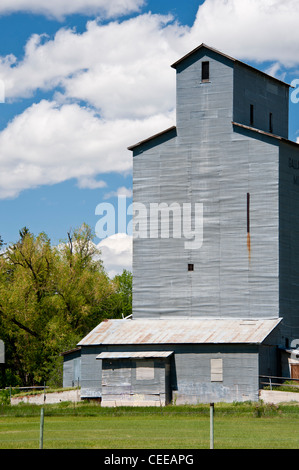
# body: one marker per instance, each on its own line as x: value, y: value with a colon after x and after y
x: 204, y: 46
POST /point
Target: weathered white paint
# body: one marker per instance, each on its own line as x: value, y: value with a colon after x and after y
x: 276, y: 397
x: 54, y: 397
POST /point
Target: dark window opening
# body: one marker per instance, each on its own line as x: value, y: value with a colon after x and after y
x: 270, y: 122
x: 190, y: 267
x: 205, y: 71
x: 248, y: 213
x: 251, y: 114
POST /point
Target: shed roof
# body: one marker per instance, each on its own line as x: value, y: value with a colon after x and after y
x: 180, y: 331
x: 268, y: 134
x: 135, y: 355
x: 155, y: 136
x: 70, y: 351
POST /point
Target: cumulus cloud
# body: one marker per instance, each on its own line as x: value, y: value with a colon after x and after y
x: 255, y: 30
x: 60, y: 8
x: 121, y: 72
x: 49, y: 143
x: 116, y: 253
x: 122, y: 69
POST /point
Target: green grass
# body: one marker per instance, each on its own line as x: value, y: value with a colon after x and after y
x: 287, y: 386
x: 88, y: 426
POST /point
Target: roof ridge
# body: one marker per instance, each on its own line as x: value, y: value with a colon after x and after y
x: 203, y: 45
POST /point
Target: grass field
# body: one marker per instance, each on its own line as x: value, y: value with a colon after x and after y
x: 236, y: 426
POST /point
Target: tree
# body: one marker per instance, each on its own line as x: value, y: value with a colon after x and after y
x: 50, y: 297
x: 123, y: 293
x: 25, y: 284
x: 82, y: 285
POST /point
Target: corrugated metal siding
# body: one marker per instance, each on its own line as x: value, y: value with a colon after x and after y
x: 288, y: 240
x: 180, y: 331
x: 133, y: 381
x: 209, y: 163
x: 91, y: 373
x: 193, y: 375
x: 72, y: 368
x: 267, y: 96
x: 188, y: 379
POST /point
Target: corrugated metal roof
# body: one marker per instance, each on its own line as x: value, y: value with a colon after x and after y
x: 135, y: 355
x: 180, y: 331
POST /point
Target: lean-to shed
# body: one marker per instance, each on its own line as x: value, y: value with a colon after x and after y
x: 153, y: 362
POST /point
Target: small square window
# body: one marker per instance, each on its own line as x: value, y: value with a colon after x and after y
x: 205, y: 71
x: 190, y: 267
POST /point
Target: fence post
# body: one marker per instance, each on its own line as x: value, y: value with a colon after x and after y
x: 211, y: 425
x: 41, y: 431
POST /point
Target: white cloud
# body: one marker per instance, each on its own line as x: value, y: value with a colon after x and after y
x: 48, y: 144
x: 60, y: 8
x: 116, y: 253
x: 120, y: 192
x: 258, y: 30
x: 89, y: 182
x: 121, y: 69
x: 53, y: 141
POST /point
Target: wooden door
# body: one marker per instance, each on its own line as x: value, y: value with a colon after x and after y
x: 295, y: 371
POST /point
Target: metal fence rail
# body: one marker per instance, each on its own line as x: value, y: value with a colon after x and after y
x: 271, y: 380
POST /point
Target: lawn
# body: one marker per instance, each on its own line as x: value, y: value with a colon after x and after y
x: 238, y: 426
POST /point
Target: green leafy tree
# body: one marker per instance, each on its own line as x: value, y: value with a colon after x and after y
x: 123, y: 294
x: 50, y: 297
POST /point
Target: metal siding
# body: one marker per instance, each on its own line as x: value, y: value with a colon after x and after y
x: 211, y: 164
x: 204, y: 109
x: 67, y: 373
x: 267, y: 96
x: 193, y: 375
x: 121, y: 384
x: 269, y: 362
x: 72, y: 369
x: 186, y: 380
x: 91, y: 373
x: 288, y: 241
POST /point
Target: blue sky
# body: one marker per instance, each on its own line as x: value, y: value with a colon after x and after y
x: 85, y: 79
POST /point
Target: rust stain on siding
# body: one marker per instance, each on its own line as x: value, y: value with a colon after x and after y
x: 248, y: 246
